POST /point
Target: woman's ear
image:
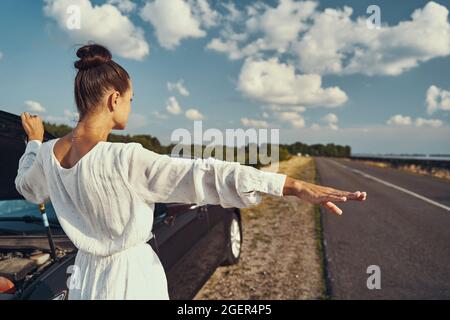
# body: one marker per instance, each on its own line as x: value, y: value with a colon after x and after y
x: 113, y: 100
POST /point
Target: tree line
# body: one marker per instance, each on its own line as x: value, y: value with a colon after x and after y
x: 316, y: 150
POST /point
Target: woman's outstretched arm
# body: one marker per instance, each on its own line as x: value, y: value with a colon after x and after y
x: 160, y: 178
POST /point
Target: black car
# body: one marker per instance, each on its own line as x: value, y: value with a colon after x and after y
x: 36, y: 262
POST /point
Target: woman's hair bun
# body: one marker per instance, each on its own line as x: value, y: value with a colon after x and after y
x: 91, y: 56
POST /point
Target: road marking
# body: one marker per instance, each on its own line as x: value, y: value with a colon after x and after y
x: 368, y: 176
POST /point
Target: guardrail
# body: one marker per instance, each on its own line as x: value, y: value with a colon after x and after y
x: 426, y: 162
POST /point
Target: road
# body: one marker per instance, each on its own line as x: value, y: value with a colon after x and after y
x: 403, y: 227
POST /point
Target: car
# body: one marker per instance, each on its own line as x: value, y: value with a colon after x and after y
x: 36, y: 262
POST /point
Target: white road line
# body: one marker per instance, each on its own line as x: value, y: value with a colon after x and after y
x: 368, y: 176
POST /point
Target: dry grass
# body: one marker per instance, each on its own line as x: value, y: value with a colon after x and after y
x: 281, y: 256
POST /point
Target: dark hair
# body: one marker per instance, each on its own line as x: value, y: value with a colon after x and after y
x: 97, y: 73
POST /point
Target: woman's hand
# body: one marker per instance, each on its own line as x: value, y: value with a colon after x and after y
x: 320, y: 195
x: 33, y: 126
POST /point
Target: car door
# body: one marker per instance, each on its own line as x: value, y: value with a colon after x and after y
x: 219, y: 221
x: 180, y: 231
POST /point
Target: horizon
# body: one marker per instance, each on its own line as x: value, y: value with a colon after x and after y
x: 313, y: 69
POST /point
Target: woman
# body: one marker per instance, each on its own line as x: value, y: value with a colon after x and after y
x: 104, y: 193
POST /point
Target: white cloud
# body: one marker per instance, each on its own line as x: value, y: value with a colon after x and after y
x: 226, y: 46
x: 203, y: 12
x: 437, y: 99
x: 230, y: 46
x: 337, y: 44
x: 294, y: 118
x: 173, y: 21
x: 159, y: 115
x: 270, y: 81
x: 331, y: 120
x: 285, y: 114
x: 434, y: 123
x: 69, y: 117
x: 277, y: 108
x: 228, y: 33
x: 173, y: 106
x: 34, y: 106
x: 400, y: 120
x: 178, y: 86
x: 234, y: 14
x: 275, y: 28
x: 126, y: 6
x: 1, y: 55
x: 331, y: 42
x: 229, y: 39
x: 281, y: 25
x: 104, y: 24
x: 254, y: 123
x: 194, y: 114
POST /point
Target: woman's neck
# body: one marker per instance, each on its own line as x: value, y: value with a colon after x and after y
x: 93, y: 127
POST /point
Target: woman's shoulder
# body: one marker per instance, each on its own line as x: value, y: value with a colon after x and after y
x: 121, y: 147
x: 48, y: 145
x: 130, y: 155
x: 129, y: 151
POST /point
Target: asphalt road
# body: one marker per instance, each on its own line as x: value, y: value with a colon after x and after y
x: 403, y: 228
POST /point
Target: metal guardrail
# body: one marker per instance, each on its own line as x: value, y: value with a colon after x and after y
x: 426, y: 162
x: 400, y: 157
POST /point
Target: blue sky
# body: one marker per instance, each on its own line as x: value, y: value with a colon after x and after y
x: 313, y: 69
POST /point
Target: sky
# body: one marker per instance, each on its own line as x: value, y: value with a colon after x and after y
x: 319, y: 71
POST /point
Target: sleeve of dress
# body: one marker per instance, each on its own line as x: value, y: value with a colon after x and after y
x: 30, y: 180
x: 161, y: 178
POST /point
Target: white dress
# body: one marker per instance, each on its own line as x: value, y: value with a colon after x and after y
x: 105, y: 206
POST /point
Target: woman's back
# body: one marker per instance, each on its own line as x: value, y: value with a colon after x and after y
x: 68, y: 150
x: 94, y: 200
x: 103, y: 215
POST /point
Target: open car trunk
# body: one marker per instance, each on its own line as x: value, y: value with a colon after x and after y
x: 23, y: 257
x: 12, y: 142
